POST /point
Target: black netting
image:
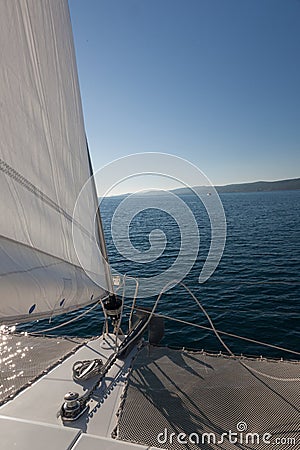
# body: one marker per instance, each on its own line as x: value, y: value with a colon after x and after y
x: 187, y: 392
x: 24, y: 357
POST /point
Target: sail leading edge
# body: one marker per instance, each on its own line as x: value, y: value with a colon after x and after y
x: 44, y: 164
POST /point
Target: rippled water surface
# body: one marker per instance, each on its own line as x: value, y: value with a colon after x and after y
x: 254, y: 292
x: 255, y: 289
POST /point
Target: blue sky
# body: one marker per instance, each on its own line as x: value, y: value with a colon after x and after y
x: 214, y: 81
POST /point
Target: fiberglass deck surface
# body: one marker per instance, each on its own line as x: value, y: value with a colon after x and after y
x: 29, y: 420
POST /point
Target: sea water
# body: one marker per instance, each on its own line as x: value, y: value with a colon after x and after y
x: 254, y: 291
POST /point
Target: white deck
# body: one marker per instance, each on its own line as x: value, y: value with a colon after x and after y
x: 31, y: 417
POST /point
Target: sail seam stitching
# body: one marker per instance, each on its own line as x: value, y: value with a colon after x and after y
x: 16, y: 176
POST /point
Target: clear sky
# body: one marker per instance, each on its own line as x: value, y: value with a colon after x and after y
x: 214, y: 81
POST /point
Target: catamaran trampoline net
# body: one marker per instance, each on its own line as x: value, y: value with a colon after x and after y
x: 204, y: 396
x: 23, y: 358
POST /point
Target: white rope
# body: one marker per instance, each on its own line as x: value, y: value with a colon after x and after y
x: 268, y: 376
x: 212, y: 328
x: 88, y: 368
x: 208, y: 318
x: 217, y: 333
x: 228, y: 349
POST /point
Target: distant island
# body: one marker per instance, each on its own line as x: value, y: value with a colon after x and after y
x: 257, y: 186
x: 282, y: 185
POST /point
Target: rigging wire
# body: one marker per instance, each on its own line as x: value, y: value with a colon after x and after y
x: 69, y: 321
x: 151, y: 314
x: 216, y: 332
x: 118, y: 325
x: 132, y: 308
x: 84, y: 313
x: 89, y: 367
x: 133, y: 301
x: 126, y: 277
x: 203, y: 327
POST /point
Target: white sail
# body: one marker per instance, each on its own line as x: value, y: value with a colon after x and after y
x: 43, y: 165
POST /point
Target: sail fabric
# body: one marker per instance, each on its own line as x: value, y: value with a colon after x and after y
x: 43, y: 167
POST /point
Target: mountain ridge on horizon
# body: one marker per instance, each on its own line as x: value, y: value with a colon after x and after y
x: 290, y: 184
x: 253, y: 186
